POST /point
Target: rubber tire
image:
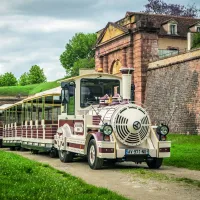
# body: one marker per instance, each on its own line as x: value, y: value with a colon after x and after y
x: 12, y: 148
x: 17, y: 148
x: 155, y: 163
x: 65, y: 156
x: 98, y: 162
x: 33, y: 151
x: 53, y: 153
x: 22, y: 149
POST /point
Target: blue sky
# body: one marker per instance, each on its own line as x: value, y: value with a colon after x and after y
x: 36, y: 31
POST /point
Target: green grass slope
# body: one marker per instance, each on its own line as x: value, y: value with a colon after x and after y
x: 28, y: 89
x: 24, y: 179
x: 44, y: 86
x: 185, y: 151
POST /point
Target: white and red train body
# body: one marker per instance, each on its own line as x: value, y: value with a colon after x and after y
x: 94, y: 117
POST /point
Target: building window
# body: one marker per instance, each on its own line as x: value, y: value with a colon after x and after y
x: 173, y: 28
x: 198, y: 29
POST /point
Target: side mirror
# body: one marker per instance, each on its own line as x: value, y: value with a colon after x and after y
x: 64, y: 93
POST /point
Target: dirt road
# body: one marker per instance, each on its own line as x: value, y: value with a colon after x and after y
x: 133, y: 187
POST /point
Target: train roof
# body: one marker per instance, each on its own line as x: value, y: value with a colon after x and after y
x: 92, y: 75
x: 4, y: 106
x: 53, y: 91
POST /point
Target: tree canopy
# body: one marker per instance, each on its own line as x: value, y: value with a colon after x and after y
x: 82, y: 63
x: 196, y: 40
x: 161, y: 7
x: 36, y: 75
x: 24, y: 79
x: 79, y: 53
x: 8, y: 79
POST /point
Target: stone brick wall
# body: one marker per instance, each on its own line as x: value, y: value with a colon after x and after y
x: 173, y: 92
x: 145, y: 47
x: 9, y: 99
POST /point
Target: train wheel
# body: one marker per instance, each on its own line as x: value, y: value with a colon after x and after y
x: 17, y: 148
x: 155, y: 163
x: 53, y: 153
x: 33, y: 151
x: 65, y: 156
x: 12, y: 148
x: 93, y: 161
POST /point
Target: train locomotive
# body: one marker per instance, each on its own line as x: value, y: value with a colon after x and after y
x: 90, y: 115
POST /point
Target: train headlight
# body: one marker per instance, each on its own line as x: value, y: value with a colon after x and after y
x: 107, y: 129
x: 163, y: 129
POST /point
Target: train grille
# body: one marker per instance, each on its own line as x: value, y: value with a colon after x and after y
x: 125, y: 131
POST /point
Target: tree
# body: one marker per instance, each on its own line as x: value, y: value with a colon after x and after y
x: 160, y: 7
x: 8, y: 79
x: 36, y: 75
x: 24, y: 79
x: 196, y: 40
x: 79, y: 47
x: 82, y: 63
x: 1, y: 81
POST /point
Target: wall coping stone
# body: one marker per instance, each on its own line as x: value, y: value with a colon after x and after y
x: 184, y: 57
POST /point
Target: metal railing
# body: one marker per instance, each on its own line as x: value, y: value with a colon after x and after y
x: 166, y: 53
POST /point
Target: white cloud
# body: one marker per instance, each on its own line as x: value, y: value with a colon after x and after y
x: 53, y: 70
x: 20, y: 62
x: 6, y: 41
x: 21, y: 23
x: 36, y: 31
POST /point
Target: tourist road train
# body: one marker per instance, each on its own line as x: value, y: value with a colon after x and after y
x: 90, y: 115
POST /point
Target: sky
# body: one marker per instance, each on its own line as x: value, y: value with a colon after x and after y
x: 35, y: 32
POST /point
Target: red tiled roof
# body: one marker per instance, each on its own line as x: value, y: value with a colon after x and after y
x: 157, y: 20
x: 183, y: 23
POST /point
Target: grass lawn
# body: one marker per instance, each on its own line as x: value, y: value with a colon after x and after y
x: 15, y: 90
x: 185, y: 151
x: 44, y: 86
x: 24, y: 179
x: 28, y: 89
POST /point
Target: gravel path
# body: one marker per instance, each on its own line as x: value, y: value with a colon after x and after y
x: 133, y: 187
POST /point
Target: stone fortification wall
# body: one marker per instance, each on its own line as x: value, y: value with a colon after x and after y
x: 9, y: 99
x: 173, y: 91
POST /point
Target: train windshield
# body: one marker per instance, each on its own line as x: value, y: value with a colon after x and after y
x: 93, y: 89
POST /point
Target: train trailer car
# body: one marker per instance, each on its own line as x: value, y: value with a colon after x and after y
x: 2, y: 122
x: 32, y: 123
x: 100, y: 122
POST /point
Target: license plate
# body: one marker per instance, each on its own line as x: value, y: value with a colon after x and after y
x: 137, y: 151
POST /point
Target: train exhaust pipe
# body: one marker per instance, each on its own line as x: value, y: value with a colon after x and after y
x: 126, y: 83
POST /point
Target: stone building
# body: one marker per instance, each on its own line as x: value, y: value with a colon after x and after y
x: 139, y: 38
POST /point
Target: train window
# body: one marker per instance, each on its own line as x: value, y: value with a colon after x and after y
x: 93, y: 89
x: 1, y: 119
x: 56, y: 109
x: 4, y: 114
x: 12, y: 115
x: 19, y: 113
x: 39, y: 110
x: 48, y: 107
x: 34, y: 111
x: 28, y: 111
x: 71, y: 103
x: 8, y: 116
x: 23, y: 114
